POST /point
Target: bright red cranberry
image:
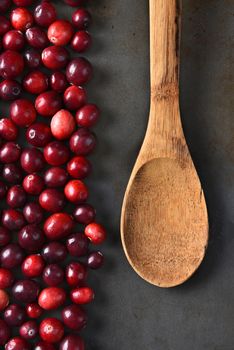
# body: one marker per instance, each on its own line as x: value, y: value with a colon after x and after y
x: 10, y: 90
x: 11, y: 64
x: 5, y: 25
x: 52, y: 200
x: 48, y: 103
x: 95, y: 232
x: 21, y: 18
x: 32, y: 58
x: 74, y: 97
x: 74, y: 3
x: 83, y: 295
x: 58, y: 81
x: 76, y: 274
x: 12, y: 173
x: 55, y: 57
x: 58, y: 226
x: 4, y: 332
x: 33, y: 184
x: 81, y: 19
x: 56, y: 153
x: 76, y: 191
x: 5, y: 237
x: 39, y: 134
x: 3, y: 189
x: 44, y: 346
x: 4, y: 5
x: 60, y: 32
x: 33, y: 213
x: 36, y: 37
x: 35, y: 82
x: 88, y: 115
x: 82, y: 142
x: 25, y: 291
x: 54, y: 252
x: 81, y: 41
x: 14, y: 315
x: 29, y: 330
x: 84, y: 214
x: 53, y: 275
x: 55, y: 177
x: 13, y: 40
x: 17, y: 343
x: 34, y: 310
x: 74, y: 317
x: 32, y: 160
x: 12, y: 219
x: 77, y: 244
x: 62, y: 124
x: 45, y: 14
x: 31, y: 238
x: 6, y: 278
x: 16, y: 196
x: 79, y: 71
x: 10, y: 152
x: 79, y: 167
x: 22, y: 112
x: 51, y: 330
x: 4, y: 299
x: 33, y: 266
x: 8, y: 130
x: 95, y: 260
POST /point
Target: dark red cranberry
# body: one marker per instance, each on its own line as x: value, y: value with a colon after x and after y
x: 51, y: 330
x: 74, y: 3
x: 25, y: 291
x: 5, y: 237
x: 82, y: 142
x: 13, y: 40
x: 58, y: 82
x: 76, y: 274
x: 36, y: 37
x: 45, y: 14
x: 55, y: 57
x: 8, y: 130
x: 22, y: 112
x: 33, y: 265
x: 58, y: 226
x: 84, y: 214
x: 10, y: 90
x: 38, y: 134
x: 82, y: 295
x: 32, y: 160
x: 6, y: 278
x: 16, y: 196
x: 21, y: 18
x: 79, y: 71
x: 72, y: 342
x: 54, y: 252
x: 33, y: 213
x: 95, y: 260
x: 33, y: 184
x: 60, y: 32
x: 10, y: 152
x: 12, y: 219
x: 29, y: 330
x: 76, y: 191
x: 11, y: 64
x: 34, y: 310
x: 44, y: 346
x: 14, y: 315
x: 35, y: 82
x: 81, y: 41
x: 3, y: 189
x: 4, y: 5
x: 32, y: 58
x: 48, y: 103
x: 5, y: 25
x: 77, y: 244
x: 12, y: 173
x: 31, y: 238
x: 74, y: 97
x: 55, y: 177
x: 88, y: 115
x: 56, y: 153
x: 11, y: 256
x: 79, y: 167
x: 17, y: 343
x: 51, y: 298
x: 52, y: 200
x: 62, y: 124
x: 74, y: 317
x: 23, y: 2
x: 81, y: 19
x: 5, y: 332
x: 53, y: 275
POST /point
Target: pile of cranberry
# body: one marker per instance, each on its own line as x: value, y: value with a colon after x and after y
x: 47, y: 228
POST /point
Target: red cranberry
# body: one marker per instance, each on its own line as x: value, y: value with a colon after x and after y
x: 53, y: 275
x: 48, y: 103
x: 25, y: 291
x: 13, y: 40
x: 33, y: 213
x: 82, y: 142
x: 33, y: 184
x: 58, y: 226
x: 4, y: 237
x: 74, y: 3
x: 31, y: 238
x: 79, y: 71
x: 33, y: 266
x: 10, y: 90
x: 12, y: 219
x: 74, y: 317
x: 55, y: 57
x: 36, y: 37
x: 12, y: 173
x: 38, y: 134
x: 79, y: 167
x: 54, y: 252
x: 4, y: 332
x: 51, y: 330
x: 6, y: 278
x: 8, y: 130
x: 81, y: 19
x: 3, y: 189
x: 5, y: 25
x: 10, y: 152
x: 4, y: 5
x: 84, y: 214
x: 52, y: 200
x: 83, y: 295
x: 32, y: 160
x: 34, y: 310
x: 45, y: 14
x: 35, y: 82
x: 72, y: 342
x: 22, y: 112
x: 55, y: 177
x: 76, y: 274
x: 11, y: 64
x: 17, y: 343
x: 23, y: 2
x: 88, y: 115
x: 4, y: 299
x: 62, y: 125
x: 81, y: 41
x: 77, y: 244
x: 74, y: 97
x: 56, y: 153
x: 16, y: 196
x: 95, y: 260
x: 14, y: 315
x: 32, y: 58
x: 21, y: 18
x: 76, y: 191
x: 58, y: 81
x: 44, y: 346
x: 95, y: 232
x: 29, y: 330
x: 60, y: 32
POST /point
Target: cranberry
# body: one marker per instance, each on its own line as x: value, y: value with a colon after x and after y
x: 55, y: 177
x: 62, y: 124
x: 95, y: 260
x: 79, y: 167
x: 4, y: 299
x: 32, y: 58
x: 58, y: 81
x: 44, y: 346
x: 4, y: 237
x: 82, y: 142
x: 81, y: 41
x: 81, y: 19
x: 74, y: 97
x: 74, y: 317
x: 32, y: 160
x: 5, y: 25
x: 54, y: 252
x: 56, y: 153
x: 77, y: 244
x: 16, y: 196
x: 33, y: 184
x: 21, y: 18
x: 25, y: 291
x: 36, y: 37
x: 79, y: 71
x: 45, y: 14
x: 58, y: 226
x: 48, y: 103
x: 8, y: 130
x: 13, y: 40
x: 95, y: 232
x: 31, y: 238
x: 29, y: 330
x: 33, y: 213
x: 60, y: 32
x: 88, y: 115
x: 11, y: 64
x: 51, y: 330
x: 3, y: 189
x: 4, y: 332
x: 6, y: 278
x: 33, y: 266
x: 17, y: 343
x: 74, y: 3
x: 55, y: 57
x: 83, y: 295
x: 72, y: 342
x: 10, y: 90
x: 34, y: 310
x: 12, y: 173
x: 4, y: 5
x: 22, y: 112
x: 76, y: 274
x: 23, y: 2
x: 35, y: 82
x: 84, y: 214
x: 38, y: 134
x: 10, y: 152
x: 12, y: 219
x: 14, y: 315
x: 53, y: 275
x: 76, y: 191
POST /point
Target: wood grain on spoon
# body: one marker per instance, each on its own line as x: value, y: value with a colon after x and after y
x: 164, y: 223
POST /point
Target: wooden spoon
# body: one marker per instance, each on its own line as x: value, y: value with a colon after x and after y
x: 164, y: 223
